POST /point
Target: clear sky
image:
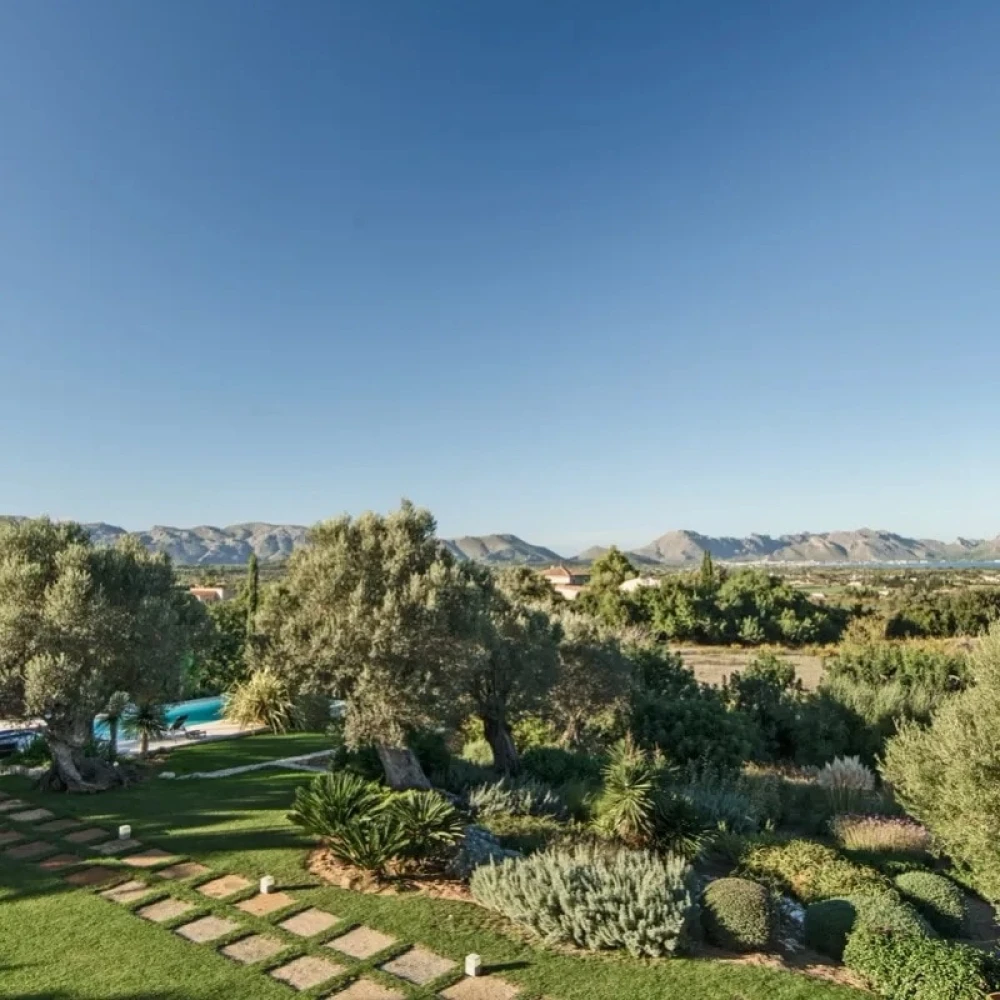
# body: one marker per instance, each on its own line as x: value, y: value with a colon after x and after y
x: 579, y: 271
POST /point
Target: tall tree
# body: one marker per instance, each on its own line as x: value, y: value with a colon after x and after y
x: 375, y: 612
x: 253, y: 594
x: 78, y: 623
x: 706, y: 575
x: 610, y: 570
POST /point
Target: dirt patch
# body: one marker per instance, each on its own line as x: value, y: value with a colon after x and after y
x: 713, y: 663
x: 807, y: 962
x: 323, y: 865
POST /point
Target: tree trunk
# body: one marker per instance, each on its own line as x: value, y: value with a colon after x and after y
x: 71, y: 771
x: 499, y: 737
x: 144, y: 743
x: 113, y: 738
x: 402, y: 769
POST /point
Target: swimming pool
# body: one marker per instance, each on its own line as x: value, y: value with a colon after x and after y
x: 198, y: 710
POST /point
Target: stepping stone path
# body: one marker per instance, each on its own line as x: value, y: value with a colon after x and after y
x: 117, y: 847
x: 58, y: 825
x: 307, y: 972
x: 252, y: 949
x: 219, y: 888
x: 265, y: 902
x: 148, y: 858
x: 207, y: 929
x: 481, y: 988
x: 418, y: 965
x: 361, y: 943
x: 11, y: 805
x: 58, y: 861
x: 127, y: 892
x: 10, y: 837
x: 33, y: 849
x: 32, y: 815
x: 309, y: 922
x: 87, y: 835
x: 186, y: 869
x: 367, y: 989
x: 91, y: 876
x: 164, y: 910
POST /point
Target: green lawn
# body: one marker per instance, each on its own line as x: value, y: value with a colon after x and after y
x: 219, y: 754
x: 69, y: 944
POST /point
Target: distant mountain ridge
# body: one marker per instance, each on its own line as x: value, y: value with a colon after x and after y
x: 233, y: 545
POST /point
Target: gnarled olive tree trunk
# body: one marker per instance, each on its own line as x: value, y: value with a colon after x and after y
x: 402, y: 769
x: 73, y: 770
x: 501, y: 740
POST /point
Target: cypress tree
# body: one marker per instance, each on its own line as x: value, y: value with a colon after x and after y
x: 253, y: 590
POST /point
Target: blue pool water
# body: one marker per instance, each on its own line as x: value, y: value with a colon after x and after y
x: 198, y: 710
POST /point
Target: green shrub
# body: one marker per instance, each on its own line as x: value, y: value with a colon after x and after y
x: 739, y: 915
x: 594, y: 898
x: 526, y: 834
x: 829, y: 922
x: 904, y: 967
x: 810, y: 871
x: 555, y: 766
x: 428, y: 823
x: 936, y: 898
x: 478, y: 751
x: 516, y: 797
x: 430, y: 746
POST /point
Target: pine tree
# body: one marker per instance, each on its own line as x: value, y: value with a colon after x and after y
x: 707, y: 575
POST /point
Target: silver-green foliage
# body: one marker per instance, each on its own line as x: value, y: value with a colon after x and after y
x: 594, y: 898
x: 510, y: 797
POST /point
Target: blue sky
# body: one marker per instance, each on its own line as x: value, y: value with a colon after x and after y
x: 579, y: 271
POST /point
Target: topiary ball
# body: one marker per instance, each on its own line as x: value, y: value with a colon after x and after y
x: 739, y: 915
x: 937, y: 898
x: 828, y: 924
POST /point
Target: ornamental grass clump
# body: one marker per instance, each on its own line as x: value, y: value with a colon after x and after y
x: 848, y: 784
x: 594, y: 897
x: 881, y: 834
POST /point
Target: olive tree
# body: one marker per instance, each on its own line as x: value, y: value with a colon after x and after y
x: 77, y: 624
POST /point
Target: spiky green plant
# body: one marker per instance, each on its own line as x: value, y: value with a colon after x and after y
x: 263, y: 699
x: 146, y: 720
x: 113, y: 713
x: 428, y: 822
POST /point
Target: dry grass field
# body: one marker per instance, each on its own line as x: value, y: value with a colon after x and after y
x: 713, y: 663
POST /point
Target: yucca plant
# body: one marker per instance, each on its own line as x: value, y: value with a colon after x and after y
x: 263, y: 699
x: 627, y: 807
x: 113, y: 713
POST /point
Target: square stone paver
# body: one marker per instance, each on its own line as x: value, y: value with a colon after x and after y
x: 265, y: 902
x: 252, y: 949
x: 481, y: 988
x: 362, y: 942
x: 186, y: 869
x: 117, y: 847
x: 58, y: 825
x: 10, y: 837
x: 219, y: 888
x: 147, y: 858
x: 367, y: 989
x: 207, y: 929
x: 306, y: 972
x: 11, y: 805
x: 91, y: 876
x: 87, y: 835
x: 31, y: 815
x: 32, y: 849
x: 309, y: 922
x: 164, y: 910
x: 127, y: 892
x: 58, y: 861
x: 418, y: 965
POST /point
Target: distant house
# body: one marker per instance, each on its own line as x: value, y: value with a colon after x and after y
x: 566, y: 582
x: 637, y: 582
x: 210, y: 595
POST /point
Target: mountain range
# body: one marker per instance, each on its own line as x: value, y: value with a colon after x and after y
x: 206, y: 545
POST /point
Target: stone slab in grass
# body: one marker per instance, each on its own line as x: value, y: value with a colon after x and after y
x: 117, y: 847
x: 186, y: 869
x: 127, y: 892
x: 309, y: 922
x: 481, y: 988
x: 147, y: 858
x: 10, y: 837
x: 91, y: 876
x: 164, y: 909
x: 32, y: 849
x: 86, y: 836
x: 306, y: 972
x: 58, y: 861
x: 12, y: 805
x: 255, y: 948
x: 58, y: 825
x: 224, y: 886
x: 265, y: 902
x: 31, y: 815
x: 362, y: 942
x: 367, y: 989
x: 418, y: 965
x: 207, y: 929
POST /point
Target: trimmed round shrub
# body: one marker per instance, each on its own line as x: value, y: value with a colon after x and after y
x: 594, y: 898
x: 830, y: 922
x: 738, y: 915
x: 937, y: 898
x: 904, y: 967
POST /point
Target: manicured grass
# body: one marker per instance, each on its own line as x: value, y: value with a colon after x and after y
x: 219, y: 754
x: 72, y: 945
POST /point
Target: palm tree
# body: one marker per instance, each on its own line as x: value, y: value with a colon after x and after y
x: 148, y: 721
x: 114, y: 710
